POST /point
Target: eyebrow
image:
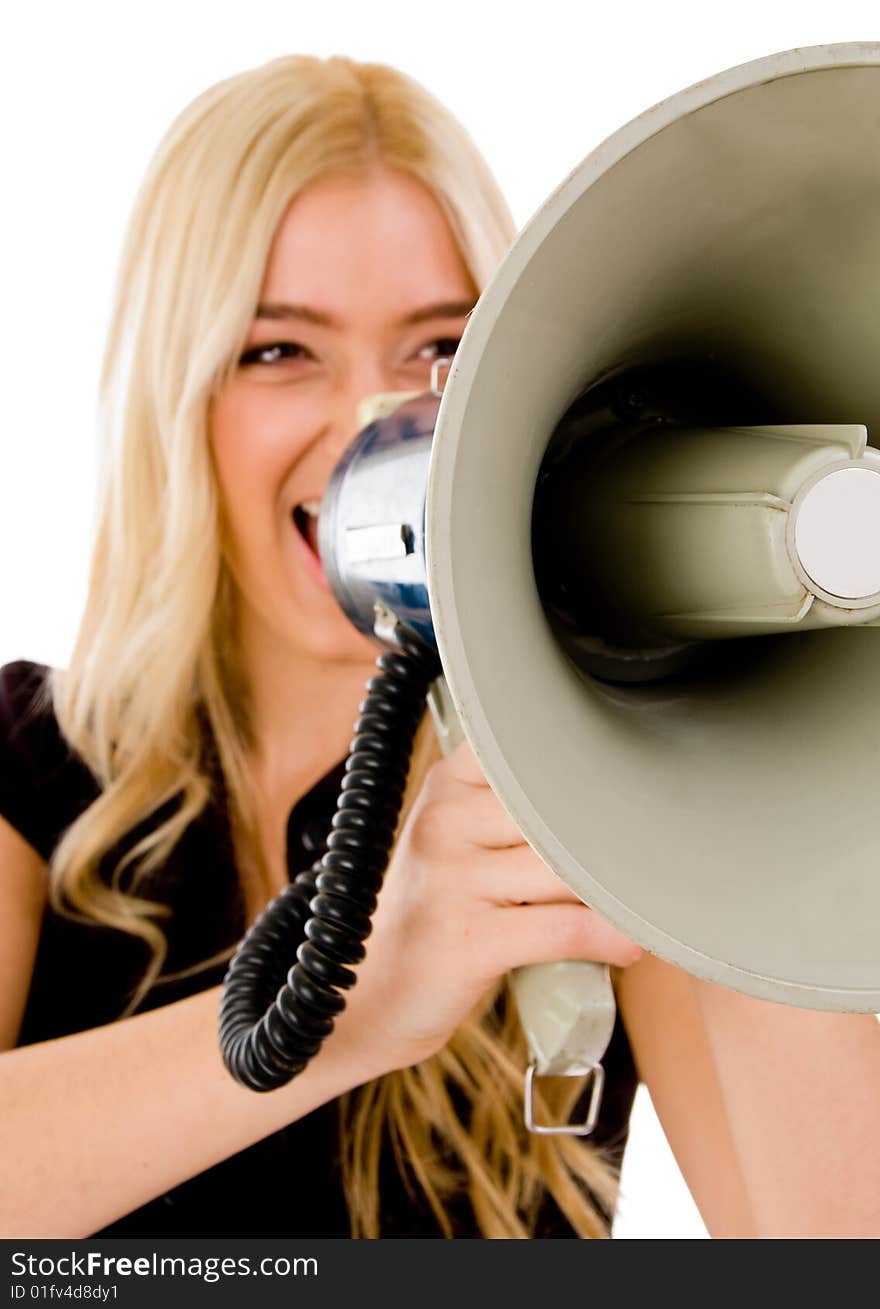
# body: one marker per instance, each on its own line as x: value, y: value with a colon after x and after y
x: 276, y: 310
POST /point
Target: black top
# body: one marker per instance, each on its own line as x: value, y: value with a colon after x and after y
x: 288, y: 1184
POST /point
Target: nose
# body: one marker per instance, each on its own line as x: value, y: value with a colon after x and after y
x: 368, y: 379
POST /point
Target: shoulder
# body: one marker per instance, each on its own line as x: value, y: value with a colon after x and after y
x: 30, y: 737
x: 27, y: 718
x: 44, y: 784
x: 25, y: 691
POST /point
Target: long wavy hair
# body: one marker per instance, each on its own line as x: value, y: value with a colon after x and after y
x: 153, y: 673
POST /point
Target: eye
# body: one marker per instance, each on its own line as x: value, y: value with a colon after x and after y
x: 444, y: 347
x: 273, y: 352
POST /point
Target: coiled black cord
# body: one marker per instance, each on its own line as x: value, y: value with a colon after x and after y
x: 267, y: 1034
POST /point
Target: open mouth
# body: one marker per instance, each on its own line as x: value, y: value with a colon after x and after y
x: 305, y: 518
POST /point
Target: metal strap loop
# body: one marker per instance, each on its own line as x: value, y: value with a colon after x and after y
x: 597, y: 1075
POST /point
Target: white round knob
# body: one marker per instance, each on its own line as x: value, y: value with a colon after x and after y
x: 837, y: 533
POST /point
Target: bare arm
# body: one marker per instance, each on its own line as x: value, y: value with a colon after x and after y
x: 95, y: 1124
x: 772, y: 1112
x: 802, y: 1091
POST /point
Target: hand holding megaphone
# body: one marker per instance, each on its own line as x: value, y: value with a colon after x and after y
x: 464, y: 901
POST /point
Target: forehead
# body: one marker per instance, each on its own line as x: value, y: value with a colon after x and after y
x: 377, y: 238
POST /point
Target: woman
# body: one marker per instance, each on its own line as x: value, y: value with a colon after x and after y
x: 308, y: 234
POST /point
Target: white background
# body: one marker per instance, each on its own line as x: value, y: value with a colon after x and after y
x: 86, y: 89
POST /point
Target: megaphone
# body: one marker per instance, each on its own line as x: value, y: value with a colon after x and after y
x: 646, y: 533
x: 725, y: 822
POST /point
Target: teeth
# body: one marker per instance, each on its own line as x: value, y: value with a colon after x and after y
x: 312, y: 507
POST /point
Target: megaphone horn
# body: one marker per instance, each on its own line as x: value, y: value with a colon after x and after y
x: 722, y: 816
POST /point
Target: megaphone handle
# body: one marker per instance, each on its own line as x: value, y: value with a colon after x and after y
x: 567, y: 1009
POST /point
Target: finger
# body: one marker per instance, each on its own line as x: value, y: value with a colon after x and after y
x: 519, y: 876
x: 472, y: 807
x: 461, y: 766
x: 546, y: 933
x: 483, y: 821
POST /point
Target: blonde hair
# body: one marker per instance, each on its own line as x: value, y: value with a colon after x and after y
x: 154, y: 676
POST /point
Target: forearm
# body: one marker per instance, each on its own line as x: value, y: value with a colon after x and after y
x: 802, y: 1093
x: 96, y: 1124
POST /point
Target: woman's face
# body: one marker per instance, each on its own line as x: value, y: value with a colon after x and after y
x: 364, y: 288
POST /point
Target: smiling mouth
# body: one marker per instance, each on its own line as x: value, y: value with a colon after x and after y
x: 305, y: 518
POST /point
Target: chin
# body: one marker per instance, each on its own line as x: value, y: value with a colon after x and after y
x: 337, y: 641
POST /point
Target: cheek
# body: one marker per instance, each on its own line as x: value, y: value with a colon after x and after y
x: 256, y: 439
